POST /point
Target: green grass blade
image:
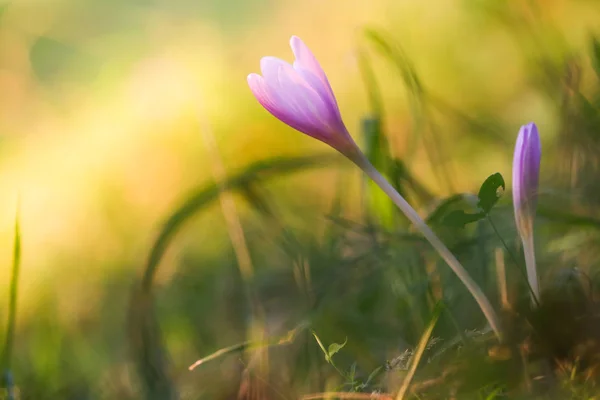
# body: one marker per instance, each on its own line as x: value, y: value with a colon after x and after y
x: 418, y: 98
x: 371, y: 86
x: 12, y: 310
x: 396, y: 56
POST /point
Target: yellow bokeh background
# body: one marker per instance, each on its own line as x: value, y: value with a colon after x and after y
x: 98, y: 163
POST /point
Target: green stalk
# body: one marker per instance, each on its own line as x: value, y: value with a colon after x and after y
x: 359, y: 159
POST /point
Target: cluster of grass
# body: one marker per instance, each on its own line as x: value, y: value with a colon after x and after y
x: 364, y: 308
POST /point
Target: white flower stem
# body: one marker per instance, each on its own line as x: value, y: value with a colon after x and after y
x: 529, y: 251
x: 437, y: 244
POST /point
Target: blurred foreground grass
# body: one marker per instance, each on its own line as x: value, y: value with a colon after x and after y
x: 101, y: 111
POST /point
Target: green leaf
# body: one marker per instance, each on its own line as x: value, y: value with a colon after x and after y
x: 352, y: 372
x: 490, y: 192
x: 320, y: 344
x: 335, y: 347
x: 439, y: 213
x: 459, y: 218
x: 372, y: 375
x: 325, y: 352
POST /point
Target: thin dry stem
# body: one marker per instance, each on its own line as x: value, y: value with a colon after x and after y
x: 232, y: 220
x: 501, y: 278
x: 347, y: 395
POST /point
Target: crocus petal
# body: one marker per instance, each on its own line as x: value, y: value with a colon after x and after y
x: 266, y: 96
x: 272, y: 102
x: 533, y: 162
x: 269, y: 67
x: 324, y: 92
x: 308, y: 66
x: 294, y: 101
x: 289, y: 78
x: 301, y: 97
x: 306, y: 60
x: 306, y: 104
x: 260, y: 89
x: 517, y: 170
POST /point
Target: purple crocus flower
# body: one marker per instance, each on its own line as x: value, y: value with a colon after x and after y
x: 526, y: 172
x: 300, y: 96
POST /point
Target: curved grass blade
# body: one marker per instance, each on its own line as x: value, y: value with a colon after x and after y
x: 147, y: 348
x: 395, y: 54
x: 418, y: 98
x: 371, y: 86
x: 258, y: 171
x: 399, y: 58
x: 146, y: 344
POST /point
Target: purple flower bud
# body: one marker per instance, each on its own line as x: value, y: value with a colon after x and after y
x: 526, y: 171
x: 301, y: 97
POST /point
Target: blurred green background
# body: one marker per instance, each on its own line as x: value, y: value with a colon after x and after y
x: 114, y: 113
